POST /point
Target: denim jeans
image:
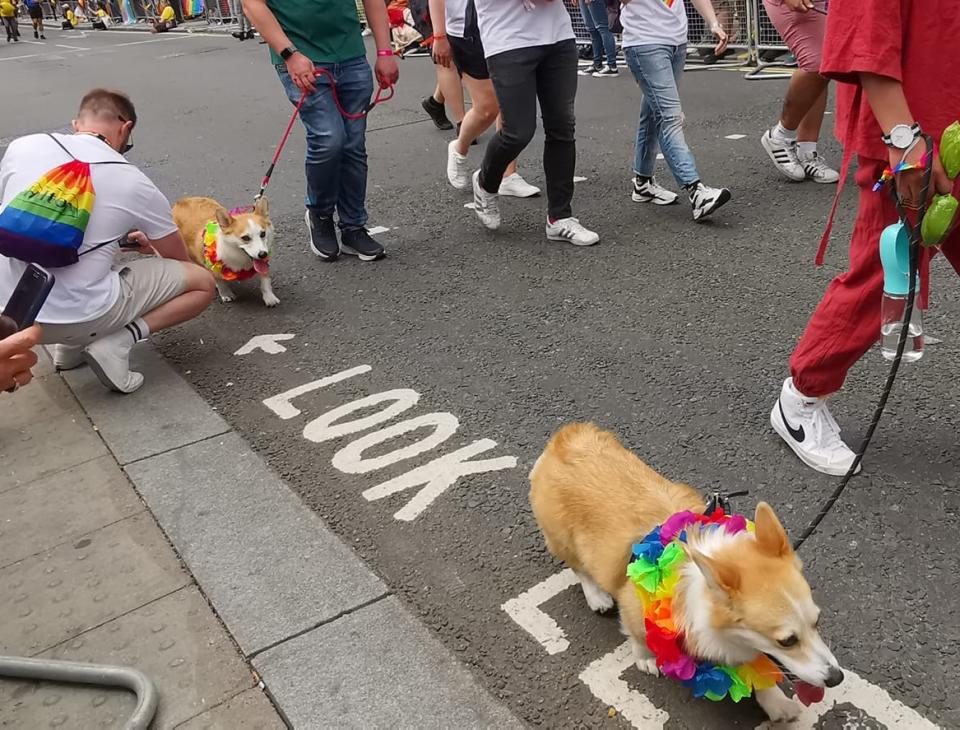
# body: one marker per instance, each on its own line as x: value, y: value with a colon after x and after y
x: 336, y: 164
x: 595, y: 18
x: 520, y: 78
x: 657, y: 70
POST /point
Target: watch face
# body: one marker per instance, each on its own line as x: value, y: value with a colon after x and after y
x: 901, y: 136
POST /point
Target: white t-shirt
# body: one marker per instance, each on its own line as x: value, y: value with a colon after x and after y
x: 506, y: 25
x: 653, y: 22
x: 454, y: 15
x: 125, y: 200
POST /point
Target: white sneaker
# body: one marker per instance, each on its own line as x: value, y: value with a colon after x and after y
x: 784, y: 156
x: 570, y: 230
x: 457, y: 172
x: 649, y: 191
x: 704, y: 200
x: 515, y: 186
x: 109, y: 358
x: 589, y: 70
x: 485, y: 205
x: 817, y: 169
x: 807, y: 426
x: 67, y: 357
x: 605, y: 72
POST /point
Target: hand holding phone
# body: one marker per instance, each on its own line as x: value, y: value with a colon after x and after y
x: 27, y: 299
x: 17, y: 357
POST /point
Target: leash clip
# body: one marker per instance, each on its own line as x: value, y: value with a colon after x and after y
x: 721, y: 499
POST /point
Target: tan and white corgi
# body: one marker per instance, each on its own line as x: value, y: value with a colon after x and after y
x: 234, y: 247
x: 738, y: 595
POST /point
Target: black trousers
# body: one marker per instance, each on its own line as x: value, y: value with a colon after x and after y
x: 520, y: 78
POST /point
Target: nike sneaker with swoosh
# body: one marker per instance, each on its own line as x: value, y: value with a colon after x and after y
x: 809, y: 428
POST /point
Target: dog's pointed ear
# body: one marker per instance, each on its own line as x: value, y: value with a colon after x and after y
x: 224, y: 218
x: 720, y: 575
x: 262, y: 207
x: 771, y: 537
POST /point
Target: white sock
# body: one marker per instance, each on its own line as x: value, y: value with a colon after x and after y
x: 806, y: 149
x: 138, y: 329
x: 782, y: 134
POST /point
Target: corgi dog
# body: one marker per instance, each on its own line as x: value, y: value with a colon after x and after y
x: 234, y: 247
x: 738, y: 596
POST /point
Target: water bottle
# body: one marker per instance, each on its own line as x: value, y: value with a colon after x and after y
x: 895, y: 257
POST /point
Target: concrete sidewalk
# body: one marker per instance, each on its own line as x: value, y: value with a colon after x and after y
x: 141, y: 530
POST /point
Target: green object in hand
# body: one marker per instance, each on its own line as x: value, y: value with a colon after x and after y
x: 938, y: 219
x: 950, y: 150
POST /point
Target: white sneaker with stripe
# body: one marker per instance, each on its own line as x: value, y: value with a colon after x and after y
x: 571, y: 231
x: 817, y: 169
x: 784, y: 157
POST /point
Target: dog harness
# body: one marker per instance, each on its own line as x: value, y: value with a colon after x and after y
x: 655, y: 570
x: 213, y: 262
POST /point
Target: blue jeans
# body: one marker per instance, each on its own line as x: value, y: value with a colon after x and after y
x: 595, y: 18
x: 657, y: 70
x: 336, y: 163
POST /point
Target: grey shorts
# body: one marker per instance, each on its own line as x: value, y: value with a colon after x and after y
x: 144, y: 285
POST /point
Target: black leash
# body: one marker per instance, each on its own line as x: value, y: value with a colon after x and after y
x: 914, y: 232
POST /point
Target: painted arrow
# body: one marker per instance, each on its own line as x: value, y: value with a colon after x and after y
x: 270, y: 344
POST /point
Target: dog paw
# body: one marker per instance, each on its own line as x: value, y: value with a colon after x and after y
x: 647, y: 666
x: 597, y: 599
x: 778, y: 706
x: 270, y: 300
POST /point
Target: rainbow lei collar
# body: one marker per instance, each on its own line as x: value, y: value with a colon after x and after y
x: 655, y: 571
x: 212, y: 261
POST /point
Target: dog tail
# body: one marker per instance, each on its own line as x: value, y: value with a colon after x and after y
x: 577, y: 441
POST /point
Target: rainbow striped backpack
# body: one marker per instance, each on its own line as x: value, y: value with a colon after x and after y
x: 45, y: 223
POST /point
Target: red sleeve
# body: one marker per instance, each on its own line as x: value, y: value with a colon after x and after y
x: 863, y: 36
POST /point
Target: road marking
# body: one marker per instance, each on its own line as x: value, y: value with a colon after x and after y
x: 932, y: 340
x: 20, y: 58
x: 71, y: 48
x: 579, y: 178
x: 735, y: 136
x: 270, y: 344
x: 377, y: 230
x: 603, y: 679
x: 350, y: 459
x: 525, y: 610
x: 438, y: 476
x: 325, y: 427
x: 471, y: 206
x: 138, y: 43
x: 281, y: 405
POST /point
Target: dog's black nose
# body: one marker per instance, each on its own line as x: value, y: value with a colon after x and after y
x: 834, y: 677
x: 263, y: 255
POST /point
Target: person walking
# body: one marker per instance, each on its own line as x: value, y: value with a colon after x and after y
x: 457, y: 42
x: 244, y: 30
x: 594, y: 14
x: 531, y: 53
x: 792, y: 142
x: 35, y: 10
x: 304, y: 37
x: 8, y: 13
x: 655, y: 46
x: 886, y: 52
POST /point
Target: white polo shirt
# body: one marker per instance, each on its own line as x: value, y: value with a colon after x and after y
x: 125, y: 200
x: 506, y: 25
x: 653, y: 22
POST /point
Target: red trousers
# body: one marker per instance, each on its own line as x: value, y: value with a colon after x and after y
x: 846, y: 323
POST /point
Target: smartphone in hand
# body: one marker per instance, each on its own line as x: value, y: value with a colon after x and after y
x: 27, y: 300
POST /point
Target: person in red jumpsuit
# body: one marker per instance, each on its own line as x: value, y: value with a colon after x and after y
x: 900, y: 76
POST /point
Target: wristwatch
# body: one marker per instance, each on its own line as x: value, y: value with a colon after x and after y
x: 902, y: 136
x: 287, y: 52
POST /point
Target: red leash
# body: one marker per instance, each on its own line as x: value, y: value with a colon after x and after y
x: 378, y: 99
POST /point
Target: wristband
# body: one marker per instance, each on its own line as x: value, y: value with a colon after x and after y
x: 386, y: 52
x: 440, y: 37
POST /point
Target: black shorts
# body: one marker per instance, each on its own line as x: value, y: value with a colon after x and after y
x: 468, y: 57
x: 36, y: 12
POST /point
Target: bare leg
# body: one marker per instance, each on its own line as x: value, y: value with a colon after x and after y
x: 809, y: 129
x: 484, y: 112
x: 451, y: 91
x: 438, y: 94
x: 197, y: 294
x: 803, y: 93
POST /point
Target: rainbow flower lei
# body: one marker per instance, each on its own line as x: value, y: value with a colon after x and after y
x: 655, y: 572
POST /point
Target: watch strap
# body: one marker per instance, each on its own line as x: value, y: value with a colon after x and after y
x: 287, y: 52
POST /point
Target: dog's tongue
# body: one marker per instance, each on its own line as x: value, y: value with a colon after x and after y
x: 807, y: 693
x: 261, y: 266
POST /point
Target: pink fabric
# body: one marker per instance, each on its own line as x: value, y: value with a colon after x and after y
x: 802, y: 32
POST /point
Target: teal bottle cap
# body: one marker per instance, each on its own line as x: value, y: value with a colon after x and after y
x: 895, y: 258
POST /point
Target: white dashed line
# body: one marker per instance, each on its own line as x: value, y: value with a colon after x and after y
x: 735, y: 136
x: 579, y: 178
x: 377, y: 229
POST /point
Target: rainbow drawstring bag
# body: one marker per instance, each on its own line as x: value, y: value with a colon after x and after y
x: 45, y: 223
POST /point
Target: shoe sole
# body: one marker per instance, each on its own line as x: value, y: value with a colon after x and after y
x: 763, y: 143
x: 721, y: 200
x: 656, y: 201
x: 316, y: 251
x: 349, y: 250
x: 781, y: 431
x: 508, y: 194
x: 823, y: 182
x: 560, y: 239
x: 102, y: 376
x: 605, y: 76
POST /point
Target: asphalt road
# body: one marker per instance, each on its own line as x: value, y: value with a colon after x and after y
x: 673, y: 334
